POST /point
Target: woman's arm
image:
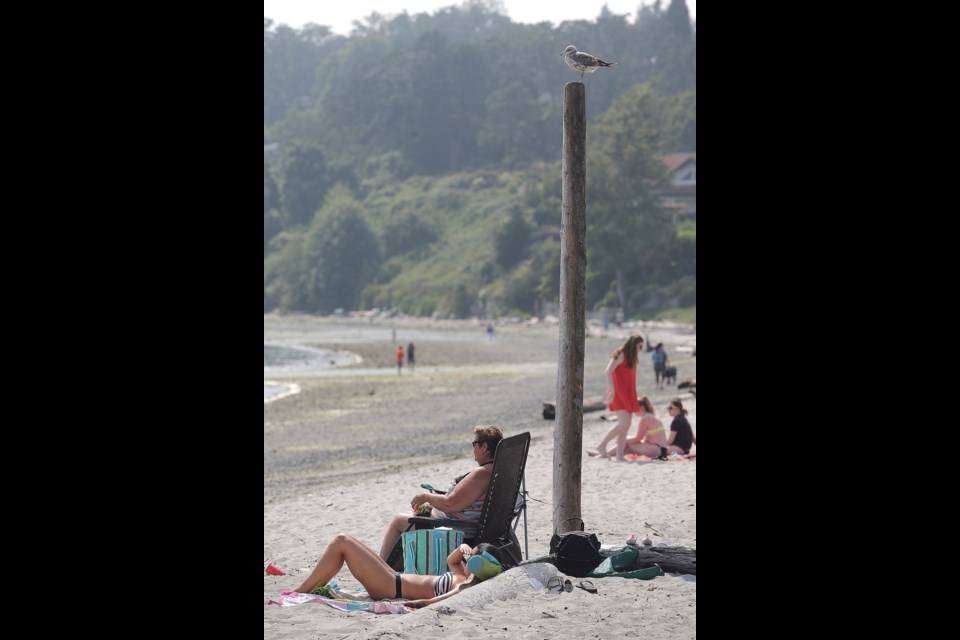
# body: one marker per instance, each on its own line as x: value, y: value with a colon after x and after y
x: 467, y: 491
x: 673, y: 434
x: 416, y: 604
x: 608, y: 374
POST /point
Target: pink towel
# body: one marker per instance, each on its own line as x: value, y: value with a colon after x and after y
x: 291, y: 598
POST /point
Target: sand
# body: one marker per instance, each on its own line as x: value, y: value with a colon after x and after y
x: 352, y: 447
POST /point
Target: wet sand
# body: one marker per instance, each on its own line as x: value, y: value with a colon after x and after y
x: 349, y: 422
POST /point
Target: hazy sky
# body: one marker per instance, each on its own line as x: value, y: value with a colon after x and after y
x: 340, y: 14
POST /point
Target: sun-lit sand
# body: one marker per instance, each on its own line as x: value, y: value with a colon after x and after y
x: 303, y: 510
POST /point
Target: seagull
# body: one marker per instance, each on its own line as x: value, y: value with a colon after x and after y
x: 583, y: 62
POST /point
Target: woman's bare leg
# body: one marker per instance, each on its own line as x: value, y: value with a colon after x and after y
x: 618, y: 431
x: 398, y: 525
x: 624, y: 423
x: 365, y: 565
x: 645, y: 449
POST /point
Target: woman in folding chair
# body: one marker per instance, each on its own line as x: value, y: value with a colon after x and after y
x: 382, y: 582
x: 463, y: 499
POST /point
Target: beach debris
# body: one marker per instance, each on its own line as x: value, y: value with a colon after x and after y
x: 595, y: 403
x: 273, y: 570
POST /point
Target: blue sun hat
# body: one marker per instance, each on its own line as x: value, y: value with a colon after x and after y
x: 484, y: 566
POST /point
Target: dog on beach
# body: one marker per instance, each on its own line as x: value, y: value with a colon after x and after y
x: 670, y: 375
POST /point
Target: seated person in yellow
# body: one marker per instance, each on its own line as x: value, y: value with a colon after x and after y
x: 650, y: 437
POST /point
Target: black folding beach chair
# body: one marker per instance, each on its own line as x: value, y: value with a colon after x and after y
x: 504, y: 504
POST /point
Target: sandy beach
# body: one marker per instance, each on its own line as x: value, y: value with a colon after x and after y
x: 351, y: 446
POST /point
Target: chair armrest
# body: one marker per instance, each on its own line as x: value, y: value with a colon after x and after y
x: 433, y: 523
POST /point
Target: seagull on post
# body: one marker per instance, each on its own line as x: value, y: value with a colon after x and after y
x: 583, y: 62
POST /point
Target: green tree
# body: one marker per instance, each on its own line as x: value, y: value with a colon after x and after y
x: 511, y: 122
x: 305, y: 182
x: 511, y: 239
x: 340, y: 254
x: 625, y: 224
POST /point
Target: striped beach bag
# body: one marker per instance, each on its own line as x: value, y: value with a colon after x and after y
x: 425, y: 551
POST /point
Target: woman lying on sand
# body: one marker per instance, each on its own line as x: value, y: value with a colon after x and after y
x: 382, y: 582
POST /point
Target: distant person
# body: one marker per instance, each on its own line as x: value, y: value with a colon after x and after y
x: 399, y: 358
x: 619, y: 318
x: 489, y: 332
x: 606, y: 324
x: 659, y: 357
x: 621, y: 374
x: 411, y: 360
x: 681, y: 433
x: 650, y: 439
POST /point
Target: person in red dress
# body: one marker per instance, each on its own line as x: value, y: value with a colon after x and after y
x: 621, y: 374
x: 399, y: 358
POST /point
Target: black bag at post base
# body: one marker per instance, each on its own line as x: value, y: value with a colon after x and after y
x: 576, y: 553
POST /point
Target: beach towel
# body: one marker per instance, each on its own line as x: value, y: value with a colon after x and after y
x: 624, y: 565
x: 425, y: 551
x: 353, y: 603
x: 632, y: 457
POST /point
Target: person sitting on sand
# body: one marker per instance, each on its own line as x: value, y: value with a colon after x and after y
x: 382, y: 582
x: 464, y: 498
x: 650, y: 439
x: 681, y: 434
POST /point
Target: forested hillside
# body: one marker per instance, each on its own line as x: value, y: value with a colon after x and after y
x: 416, y: 164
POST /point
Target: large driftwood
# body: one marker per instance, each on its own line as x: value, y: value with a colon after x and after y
x: 589, y: 404
x: 671, y: 559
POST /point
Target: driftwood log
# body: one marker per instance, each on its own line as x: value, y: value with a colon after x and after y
x: 671, y: 559
x: 690, y: 384
x: 595, y: 403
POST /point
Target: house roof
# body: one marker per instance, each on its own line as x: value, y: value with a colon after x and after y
x: 676, y: 160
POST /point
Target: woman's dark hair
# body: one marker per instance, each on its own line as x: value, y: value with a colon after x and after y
x: 490, y: 434
x: 492, y: 550
x: 679, y: 405
x: 629, y: 350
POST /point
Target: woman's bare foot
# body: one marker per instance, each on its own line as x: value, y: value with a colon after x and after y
x: 593, y: 453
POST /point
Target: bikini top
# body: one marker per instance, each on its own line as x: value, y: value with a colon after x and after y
x: 443, y: 584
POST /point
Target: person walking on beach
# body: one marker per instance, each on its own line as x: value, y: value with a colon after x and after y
x: 621, y: 396
x: 399, y: 358
x: 411, y: 360
x: 681, y: 434
x: 382, y: 582
x: 489, y: 332
x: 659, y: 357
x: 464, y: 498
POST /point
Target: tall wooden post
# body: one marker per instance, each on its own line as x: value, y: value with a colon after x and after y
x: 568, y: 430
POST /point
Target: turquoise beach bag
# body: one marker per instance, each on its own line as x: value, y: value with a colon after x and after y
x: 425, y: 551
